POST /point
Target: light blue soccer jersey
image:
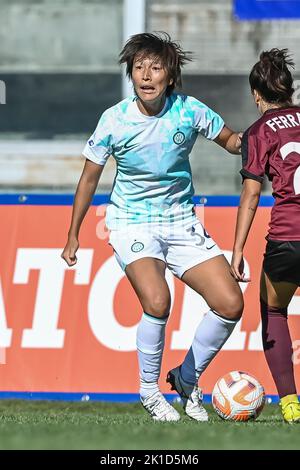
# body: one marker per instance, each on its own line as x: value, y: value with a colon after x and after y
x: 153, y: 183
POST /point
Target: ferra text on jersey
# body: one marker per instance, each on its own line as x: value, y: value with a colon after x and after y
x: 283, y: 122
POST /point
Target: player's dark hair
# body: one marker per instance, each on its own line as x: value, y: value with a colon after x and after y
x: 159, y: 46
x: 271, y: 76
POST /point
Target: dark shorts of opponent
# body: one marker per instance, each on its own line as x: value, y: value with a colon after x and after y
x: 282, y: 261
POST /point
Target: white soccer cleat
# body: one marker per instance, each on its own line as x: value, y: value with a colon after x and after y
x: 191, y: 395
x: 158, y: 407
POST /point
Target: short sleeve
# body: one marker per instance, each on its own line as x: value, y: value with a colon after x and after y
x: 99, y: 146
x: 254, y: 156
x: 206, y: 121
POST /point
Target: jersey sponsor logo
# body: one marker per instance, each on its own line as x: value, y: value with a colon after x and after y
x: 137, y: 247
x: 91, y: 142
x: 178, y: 138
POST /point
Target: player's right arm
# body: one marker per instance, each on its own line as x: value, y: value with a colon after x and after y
x: 84, y: 193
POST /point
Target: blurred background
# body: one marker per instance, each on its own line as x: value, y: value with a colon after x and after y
x: 59, y: 63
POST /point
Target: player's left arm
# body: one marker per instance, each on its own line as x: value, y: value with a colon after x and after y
x: 229, y: 140
x: 248, y: 204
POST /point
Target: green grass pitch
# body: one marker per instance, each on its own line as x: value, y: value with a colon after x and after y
x: 110, y: 426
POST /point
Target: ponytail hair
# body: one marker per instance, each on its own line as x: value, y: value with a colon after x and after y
x: 271, y: 76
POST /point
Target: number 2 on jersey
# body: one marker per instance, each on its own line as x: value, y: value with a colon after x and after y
x: 285, y: 151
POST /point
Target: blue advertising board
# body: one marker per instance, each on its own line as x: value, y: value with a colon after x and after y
x: 266, y: 9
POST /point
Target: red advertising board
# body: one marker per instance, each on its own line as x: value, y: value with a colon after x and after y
x: 73, y: 329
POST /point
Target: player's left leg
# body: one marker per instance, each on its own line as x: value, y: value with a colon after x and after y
x: 275, y: 297
x: 213, y: 281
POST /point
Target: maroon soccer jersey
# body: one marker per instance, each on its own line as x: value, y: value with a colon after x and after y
x: 271, y: 146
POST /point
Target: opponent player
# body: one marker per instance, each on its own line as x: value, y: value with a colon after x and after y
x: 271, y: 147
x: 152, y: 218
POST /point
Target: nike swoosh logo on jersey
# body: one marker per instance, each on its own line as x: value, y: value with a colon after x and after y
x: 130, y: 147
x: 210, y: 247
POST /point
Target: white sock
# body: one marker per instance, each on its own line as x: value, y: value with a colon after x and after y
x: 212, y: 332
x: 150, y: 345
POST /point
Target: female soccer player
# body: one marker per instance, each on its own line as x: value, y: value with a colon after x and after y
x: 151, y: 215
x: 271, y: 146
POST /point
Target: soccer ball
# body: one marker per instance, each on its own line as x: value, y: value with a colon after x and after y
x: 237, y: 396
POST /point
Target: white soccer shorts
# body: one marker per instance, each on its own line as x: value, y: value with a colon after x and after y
x: 180, y: 247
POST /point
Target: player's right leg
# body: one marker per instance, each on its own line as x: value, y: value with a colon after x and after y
x: 139, y: 253
x: 277, y: 344
x: 147, y: 277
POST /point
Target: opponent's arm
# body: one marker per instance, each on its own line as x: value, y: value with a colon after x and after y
x: 84, y: 193
x: 229, y: 140
x: 248, y: 204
